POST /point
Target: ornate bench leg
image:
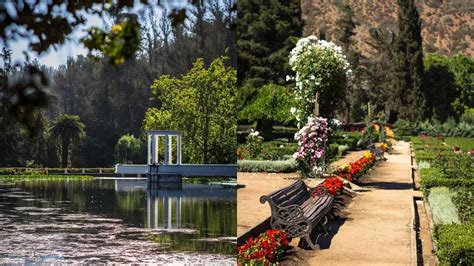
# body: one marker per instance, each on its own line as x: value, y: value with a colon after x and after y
x: 323, y: 228
x: 312, y: 245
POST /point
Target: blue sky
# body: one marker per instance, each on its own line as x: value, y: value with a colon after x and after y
x: 55, y: 57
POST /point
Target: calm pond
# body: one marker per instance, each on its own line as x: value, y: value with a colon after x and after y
x: 116, y: 220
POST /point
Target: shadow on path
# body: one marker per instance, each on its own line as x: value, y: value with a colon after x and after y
x: 388, y: 185
x: 324, y: 240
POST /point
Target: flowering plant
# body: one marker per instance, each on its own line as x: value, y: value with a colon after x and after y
x: 242, y: 153
x: 384, y: 146
x: 357, y: 169
x: 268, y: 247
x: 254, y: 143
x: 320, y: 66
x: 312, y: 140
x: 334, y: 185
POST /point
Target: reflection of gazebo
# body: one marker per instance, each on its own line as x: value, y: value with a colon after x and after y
x: 154, y: 137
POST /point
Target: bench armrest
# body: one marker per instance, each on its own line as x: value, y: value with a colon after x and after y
x: 318, y: 190
x: 291, y: 219
x: 287, y: 214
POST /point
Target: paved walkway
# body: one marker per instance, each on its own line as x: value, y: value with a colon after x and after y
x: 250, y: 211
x: 376, y: 227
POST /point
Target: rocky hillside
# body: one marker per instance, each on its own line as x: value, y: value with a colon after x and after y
x: 447, y: 25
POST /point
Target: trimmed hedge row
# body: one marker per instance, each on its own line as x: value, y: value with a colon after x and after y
x: 455, y: 243
x: 287, y: 166
x: 433, y: 177
x: 29, y: 171
x: 43, y: 176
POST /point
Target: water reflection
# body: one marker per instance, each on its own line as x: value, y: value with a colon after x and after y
x: 115, y: 221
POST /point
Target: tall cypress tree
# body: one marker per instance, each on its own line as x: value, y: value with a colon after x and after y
x: 264, y: 31
x: 346, y: 30
x: 407, y: 99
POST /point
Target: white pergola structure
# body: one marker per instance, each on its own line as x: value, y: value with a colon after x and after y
x: 154, y: 137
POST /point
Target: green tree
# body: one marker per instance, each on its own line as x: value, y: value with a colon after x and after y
x: 271, y: 103
x: 67, y: 129
x: 462, y: 67
x: 46, y: 24
x: 440, y: 88
x: 346, y: 30
x: 129, y: 148
x: 202, y: 104
x: 264, y: 39
x: 407, y: 98
x: 378, y: 73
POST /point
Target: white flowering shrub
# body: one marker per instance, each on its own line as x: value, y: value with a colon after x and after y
x: 312, y: 140
x: 319, y: 66
x: 254, y: 143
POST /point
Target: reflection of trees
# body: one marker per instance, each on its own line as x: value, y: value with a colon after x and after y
x: 212, y: 217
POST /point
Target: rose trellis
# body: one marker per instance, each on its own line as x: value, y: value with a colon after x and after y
x: 320, y: 69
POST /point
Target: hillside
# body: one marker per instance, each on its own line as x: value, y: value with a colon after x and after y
x: 447, y: 25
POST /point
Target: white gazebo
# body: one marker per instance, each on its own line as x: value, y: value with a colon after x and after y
x: 154, y: 139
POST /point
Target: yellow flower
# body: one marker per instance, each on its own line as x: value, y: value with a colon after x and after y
x: 117, y: 28
x: 368, y: 154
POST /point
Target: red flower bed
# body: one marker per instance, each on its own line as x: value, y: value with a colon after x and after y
x: 357, y: 169
x: 334, y: 185
x: 268, y: 247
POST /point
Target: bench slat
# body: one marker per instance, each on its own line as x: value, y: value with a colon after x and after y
x: 296, y: 197
x: 317, y: 211
x: 296, y: 193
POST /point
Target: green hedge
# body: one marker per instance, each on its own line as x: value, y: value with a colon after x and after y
x: 466, y: 144
x: 29, y: 171
x: 455, y: 244
x: 332, y: 153
x: 287, y: 166
x: 43, y: 176
x: 21, y: 171
x: 433, y: 177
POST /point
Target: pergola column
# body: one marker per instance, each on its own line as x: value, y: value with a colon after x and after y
x: 154, y: 144
x: 178, y: 153
x: 170, y: 149
x: 148, y: 150
x: 167, y: 151
x: 157, y: 139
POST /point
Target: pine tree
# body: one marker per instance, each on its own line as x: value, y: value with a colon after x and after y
x: 407, y: 98
x: 264, y: 39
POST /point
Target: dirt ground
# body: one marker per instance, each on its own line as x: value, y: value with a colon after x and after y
x: 375, y: 228
x: 250, y: 211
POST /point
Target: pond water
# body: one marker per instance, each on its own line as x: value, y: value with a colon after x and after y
x: 116, y: 220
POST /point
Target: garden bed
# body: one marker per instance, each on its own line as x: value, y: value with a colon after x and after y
x: 447, y: 182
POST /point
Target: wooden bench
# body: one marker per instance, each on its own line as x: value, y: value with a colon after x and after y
x: 297, y: 212
x: 378, y: 152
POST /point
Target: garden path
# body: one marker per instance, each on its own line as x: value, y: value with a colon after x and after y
x: 250, y: 211
x: 375, y: 228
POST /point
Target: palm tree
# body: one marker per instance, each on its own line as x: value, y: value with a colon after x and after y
x: 67, y: 128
